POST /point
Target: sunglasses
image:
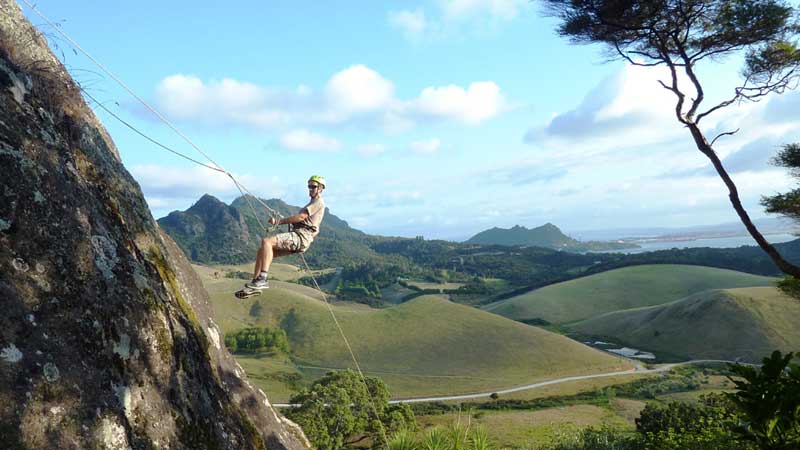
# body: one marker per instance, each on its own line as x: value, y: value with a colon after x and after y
x: 313, y: 186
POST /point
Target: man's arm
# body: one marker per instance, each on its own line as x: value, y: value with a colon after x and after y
x: 299, y: 217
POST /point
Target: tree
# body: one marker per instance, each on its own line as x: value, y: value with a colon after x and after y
x: 679, y: 425
x: 340, y: 409
x: 787, y: 204
x: 768, y: 398
x: 680, y: 34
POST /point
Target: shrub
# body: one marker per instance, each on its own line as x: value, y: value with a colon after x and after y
x: 257, y: 340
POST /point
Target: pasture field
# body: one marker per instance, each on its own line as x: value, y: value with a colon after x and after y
x: 620, y: 289
x: 746, y: 323
x: 278, y: 271
x: 423, y: 347
x: 536, y: 424
x: 395, y: 293
x: 430, y: 285
x: 532, y: 429
x: 569, y: 388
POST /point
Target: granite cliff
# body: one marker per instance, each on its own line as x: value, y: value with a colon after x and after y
x: 107, y: 339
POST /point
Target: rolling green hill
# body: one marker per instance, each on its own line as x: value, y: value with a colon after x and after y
x: 747, y: 323
x: 629, y: 287
x: 423, y: 347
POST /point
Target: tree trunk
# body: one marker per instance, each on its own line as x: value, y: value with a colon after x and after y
x: 703, y: 145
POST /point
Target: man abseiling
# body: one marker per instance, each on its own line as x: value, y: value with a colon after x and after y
x: 304, y: 228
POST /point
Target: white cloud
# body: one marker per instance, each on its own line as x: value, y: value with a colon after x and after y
x: 358, y: 89
x: 628, y: 108
x: 168, y: 188
x: 426, y: 147
x: 166, y: 181
x: 309, y: 141
x: 355, y: 95
x: 412, y: 23
x: 455, y: 17
x: 481, y: 101
x: 226, y: 101
x: 495, y: 9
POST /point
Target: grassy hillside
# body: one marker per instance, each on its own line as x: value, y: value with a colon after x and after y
x: 629, y: 287
x: 423, y: 347
x: 746, y: 323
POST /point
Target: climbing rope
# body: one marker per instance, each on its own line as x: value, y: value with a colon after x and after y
x: 349, y: 348
x: 218, y: 168
x: 239, y: 186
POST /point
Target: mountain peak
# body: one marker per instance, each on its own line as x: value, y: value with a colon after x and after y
x: 207, y: 200
x: 547, y: 235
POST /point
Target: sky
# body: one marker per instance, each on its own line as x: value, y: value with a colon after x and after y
x: 438, y: 118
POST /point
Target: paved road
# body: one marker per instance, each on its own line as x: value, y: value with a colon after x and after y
x: 639, y: 369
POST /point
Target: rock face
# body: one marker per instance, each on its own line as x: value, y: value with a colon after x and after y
x: 106, y: 334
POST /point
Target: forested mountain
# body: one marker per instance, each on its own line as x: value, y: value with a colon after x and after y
x: 547, y: 235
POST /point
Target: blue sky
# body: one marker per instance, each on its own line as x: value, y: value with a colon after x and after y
x: 439, y: 118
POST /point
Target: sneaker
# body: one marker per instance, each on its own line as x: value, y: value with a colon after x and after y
x: 258, y: 283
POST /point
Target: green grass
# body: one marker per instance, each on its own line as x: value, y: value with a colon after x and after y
x: 423, y: 347
x: 429, y: 285
x: 278, y: 271
x: 568, y: 388
x: 619, y: 289
x: 532, y: 425
x: 747, y: 323
x: 395, y: 293
x: 532, y: 429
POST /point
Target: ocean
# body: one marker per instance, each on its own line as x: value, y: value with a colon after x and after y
x: 721, y: 242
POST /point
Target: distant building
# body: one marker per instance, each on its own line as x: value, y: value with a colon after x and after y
x: 632, y: 353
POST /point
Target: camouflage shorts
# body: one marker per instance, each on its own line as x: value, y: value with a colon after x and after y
x: 291, y: 242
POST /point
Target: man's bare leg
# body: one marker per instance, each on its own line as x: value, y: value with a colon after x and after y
x: 266, y: 255
x: 257, y: 268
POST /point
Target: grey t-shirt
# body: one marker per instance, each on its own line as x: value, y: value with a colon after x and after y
x: 316, y: 211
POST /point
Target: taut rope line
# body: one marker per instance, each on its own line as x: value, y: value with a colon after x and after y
x: 217, y: 167
x: 350, y: 349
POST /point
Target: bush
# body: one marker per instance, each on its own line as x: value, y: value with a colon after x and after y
x: 257, y: 340
x: 769, y: 400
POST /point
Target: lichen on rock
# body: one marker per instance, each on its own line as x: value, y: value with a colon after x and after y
x: 51, y: 372
x: 11, y: 354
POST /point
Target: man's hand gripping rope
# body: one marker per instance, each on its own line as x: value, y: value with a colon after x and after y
x: 273, y: 222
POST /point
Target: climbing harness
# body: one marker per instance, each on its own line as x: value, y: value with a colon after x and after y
x: 216, y: 167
